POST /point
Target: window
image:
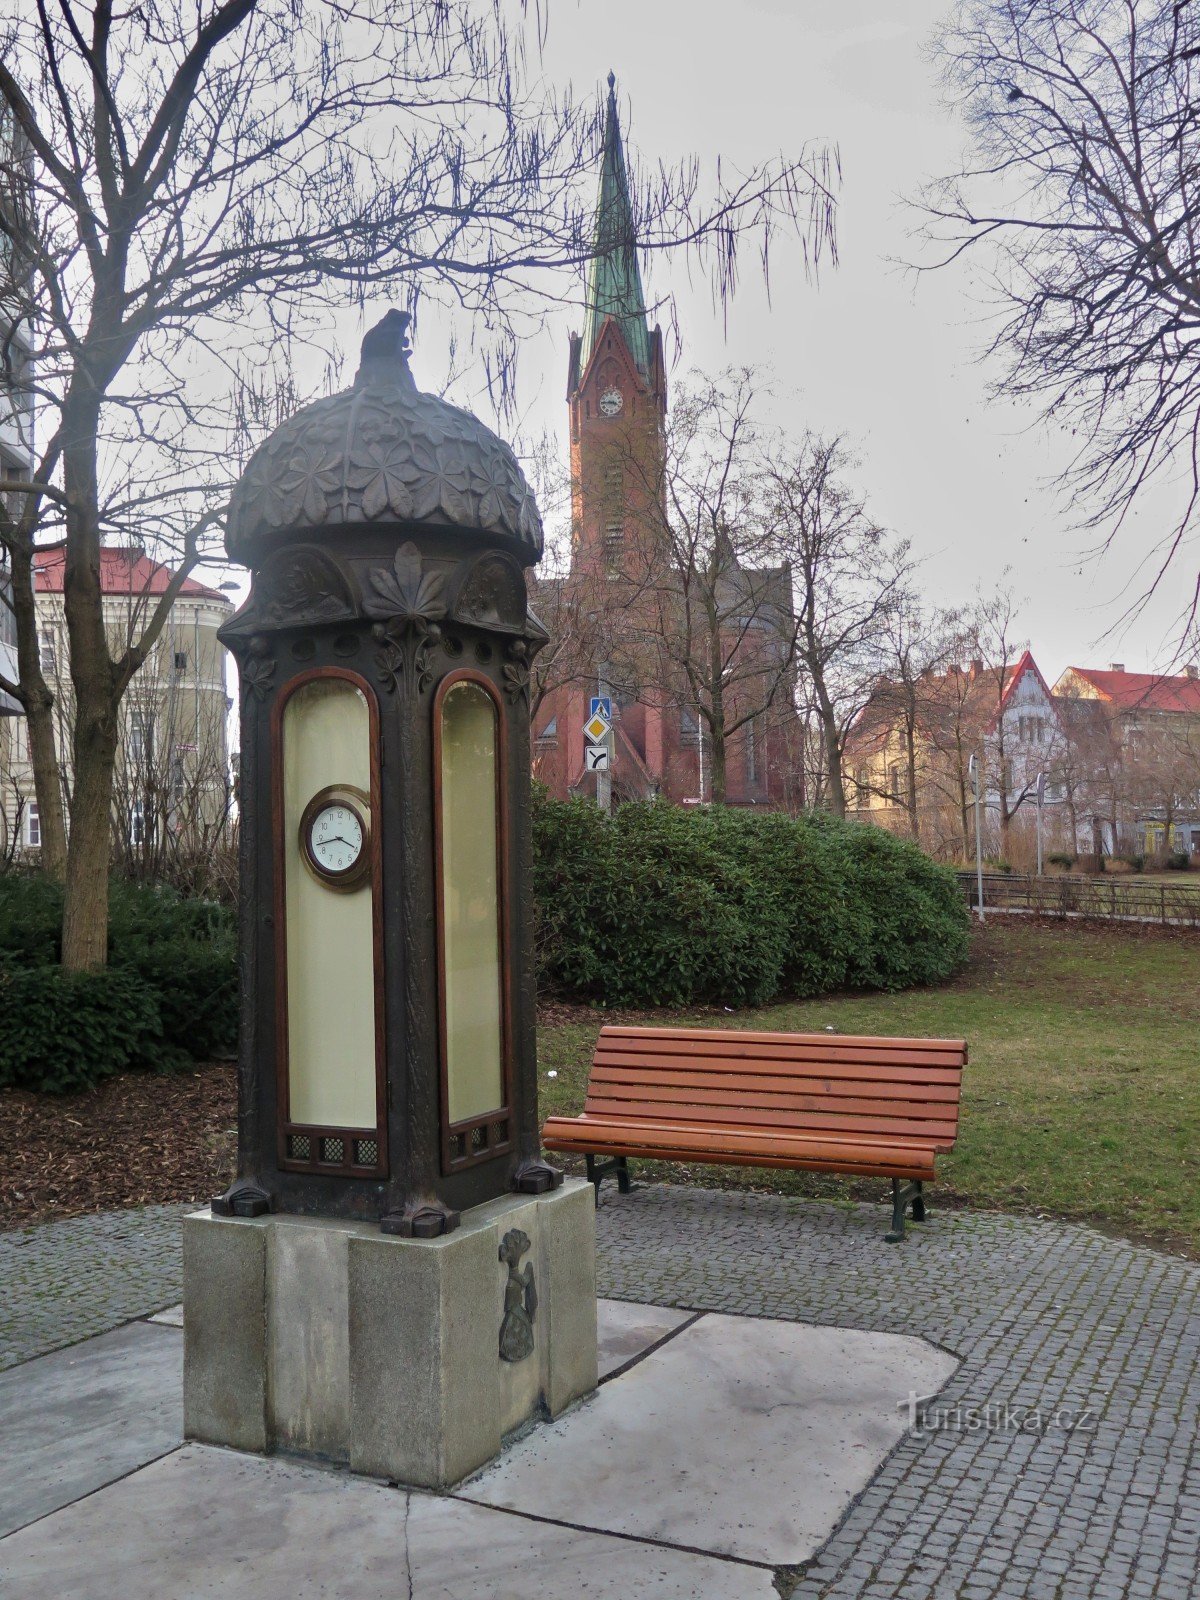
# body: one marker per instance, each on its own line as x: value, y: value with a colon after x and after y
x: 470, y: 894
x: 614, y: 513
x: 141, y: 737
x: 47, y: 651
x: 33, y: 826
x: 549, y: 734
x: 894, y: 782
x: 751, y: 754
x: 181, y: 661
x: 689, y: 726
x: 139, y: 832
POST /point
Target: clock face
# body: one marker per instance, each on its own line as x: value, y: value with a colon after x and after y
x: 333, y: 838
x: 611, y: 402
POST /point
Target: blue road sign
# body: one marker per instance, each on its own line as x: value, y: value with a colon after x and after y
x: 602, y: 705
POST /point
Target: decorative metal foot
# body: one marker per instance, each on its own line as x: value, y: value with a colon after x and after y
x: 597, y: 1171
x: 245, y: 1198
x: 901, y: 1195
x: 536, y: 1177
x: 427, y: 1219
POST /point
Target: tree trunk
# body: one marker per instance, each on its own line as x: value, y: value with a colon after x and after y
x: 830, y: 743
x: 47, y: 784
x: 833, y: 761
x: 85, y: 908
x: 85, y: 902
x: 716, y: 725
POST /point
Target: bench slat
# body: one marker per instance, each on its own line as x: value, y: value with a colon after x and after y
x: 816, y: 1050
x: 778, y: 1083
x: 899, y: 1126
x: 682, y: 1144
x: 732, y: 1036
x: 634, y: 1128
x: 796, y: 1110
x: 698, y: 1069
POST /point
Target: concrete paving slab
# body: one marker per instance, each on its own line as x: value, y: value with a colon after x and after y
x: 740, y: 1436
x: 212, y: 1523
x: 172, y: 1317
x: 625, y: 1329
x: 84, y: 1416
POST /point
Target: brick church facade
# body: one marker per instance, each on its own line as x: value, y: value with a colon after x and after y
x: 621, y: 594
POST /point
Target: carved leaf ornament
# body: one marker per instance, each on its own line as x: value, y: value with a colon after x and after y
x: 382, y: 450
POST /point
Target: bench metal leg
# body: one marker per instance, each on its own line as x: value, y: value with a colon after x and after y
x: 597, y: 1171
x: 901, y: 1195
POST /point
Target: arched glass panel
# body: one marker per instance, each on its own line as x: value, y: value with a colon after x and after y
x: 330, y: 951
x: 470, y: 889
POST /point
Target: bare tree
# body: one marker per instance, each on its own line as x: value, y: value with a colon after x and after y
x: 911, y: 649
x: 194, y: 189
x: 1165, y: 769
x: 848, y: 576
x: 993, y: 624
x: 1084, y: 193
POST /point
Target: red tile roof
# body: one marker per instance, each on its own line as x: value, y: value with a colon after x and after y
x: 123, y: 570
x: 1138, y: 691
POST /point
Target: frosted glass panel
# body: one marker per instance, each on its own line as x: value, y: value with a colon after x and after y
x: 470, y: 903
x: 330, y: 951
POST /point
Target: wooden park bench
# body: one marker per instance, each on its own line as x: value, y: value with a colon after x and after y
x: 819, y: 1101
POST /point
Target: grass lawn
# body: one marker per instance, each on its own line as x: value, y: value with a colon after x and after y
x: 1082, y: 1098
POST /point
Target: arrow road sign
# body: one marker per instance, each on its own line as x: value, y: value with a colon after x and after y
x: 601, y: 706
x: 598, y: 759
x: 596, y: 727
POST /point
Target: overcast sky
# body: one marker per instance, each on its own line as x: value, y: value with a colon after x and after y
x: 868, y: 352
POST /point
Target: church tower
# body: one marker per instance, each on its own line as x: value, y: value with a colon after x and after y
x: 616, y: 386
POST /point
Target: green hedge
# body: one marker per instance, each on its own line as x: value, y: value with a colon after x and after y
x: 67, y: 1030
x: 169, y: 996
x: 665, y: 906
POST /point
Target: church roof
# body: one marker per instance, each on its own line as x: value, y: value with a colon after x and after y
x: 614, y: 280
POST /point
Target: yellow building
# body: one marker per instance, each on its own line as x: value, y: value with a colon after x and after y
x: 173, y: 783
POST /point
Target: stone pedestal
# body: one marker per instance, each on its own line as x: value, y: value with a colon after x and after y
x: 407, y: 1359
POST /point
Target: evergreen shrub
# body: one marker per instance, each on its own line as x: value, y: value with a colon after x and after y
x: 665, y: 906
x: 67, y: 1030
x: 172, y: 977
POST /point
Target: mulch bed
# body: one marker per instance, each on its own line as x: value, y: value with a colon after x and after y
x: 136, y: 1139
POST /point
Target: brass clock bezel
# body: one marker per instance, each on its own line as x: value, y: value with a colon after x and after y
x: 354, y: 800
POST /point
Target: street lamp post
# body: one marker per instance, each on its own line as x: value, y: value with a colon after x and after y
x: 973, y: 769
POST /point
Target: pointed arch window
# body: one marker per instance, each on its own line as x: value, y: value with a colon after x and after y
x: 471, y: 835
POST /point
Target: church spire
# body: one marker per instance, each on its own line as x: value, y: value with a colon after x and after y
x: 614, y: 283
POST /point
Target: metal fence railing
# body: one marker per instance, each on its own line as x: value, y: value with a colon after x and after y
x: 1129, y: 899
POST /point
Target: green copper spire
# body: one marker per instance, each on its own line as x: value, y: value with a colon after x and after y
x: 614, y: 283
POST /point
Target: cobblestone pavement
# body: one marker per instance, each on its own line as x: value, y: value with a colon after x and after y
x: 1047, y: 1318
x: 64, y: 1281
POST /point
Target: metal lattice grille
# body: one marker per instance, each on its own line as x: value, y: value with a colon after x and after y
x: 366, y: 1152
x: 333, y: 1151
